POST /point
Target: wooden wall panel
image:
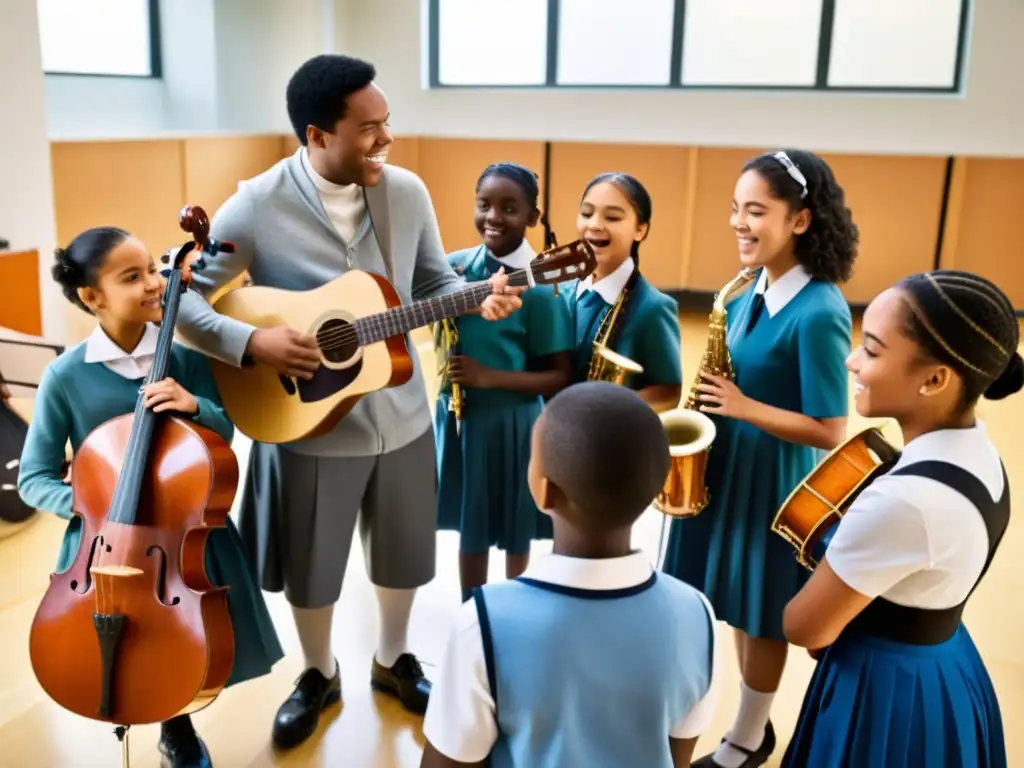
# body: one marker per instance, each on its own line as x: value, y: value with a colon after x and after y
x: 137, y: 185
x: 980, y: 235
x: 20, y: 307
x: 450, y: 169
x: 214, y: 167
x: 405, y: 153
x: 663, y: 170
x: 897, y: 201
x: 714, y: 256
x: 896, y: 204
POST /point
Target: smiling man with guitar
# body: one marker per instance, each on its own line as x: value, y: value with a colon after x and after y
x: 334, y: 209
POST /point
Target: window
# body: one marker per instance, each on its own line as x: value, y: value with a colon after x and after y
x: 864, y: 45
x: 100, y: 37
x: 598, y: 43
x: 751, y: 42
x: 913, y: 43
x: 493, y: 42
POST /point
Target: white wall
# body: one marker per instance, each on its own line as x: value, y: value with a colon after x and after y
x: 225, y: 62
x: 26, y: 190
x: 260, y: 43
x: 987, y: 120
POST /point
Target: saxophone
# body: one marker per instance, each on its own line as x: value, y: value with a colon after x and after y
x: 690, y: 432
x: 605, y: 363
x: 446, y: 338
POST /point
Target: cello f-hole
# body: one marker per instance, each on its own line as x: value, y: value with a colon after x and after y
x: 85, y: 585
x: 161, y: 577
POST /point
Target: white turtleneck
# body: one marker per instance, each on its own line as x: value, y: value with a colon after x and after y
x: 345, y: 204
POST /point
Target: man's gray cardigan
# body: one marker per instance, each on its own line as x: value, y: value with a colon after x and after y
x: 284, y: 239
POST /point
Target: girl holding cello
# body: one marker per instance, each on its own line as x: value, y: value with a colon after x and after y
x: 109, y: 273
x: 899, y: 680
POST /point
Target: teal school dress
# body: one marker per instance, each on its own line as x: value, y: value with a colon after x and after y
x: 649, y: 332
x: 793, y: 360
x: 482, y: 469
x: 74, y: 398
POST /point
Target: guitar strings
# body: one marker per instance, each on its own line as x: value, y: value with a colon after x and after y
x: 340, y: 337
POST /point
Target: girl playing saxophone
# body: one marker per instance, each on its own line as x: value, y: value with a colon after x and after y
x: 615, y: 307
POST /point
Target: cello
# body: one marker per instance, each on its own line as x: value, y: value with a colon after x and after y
x: 134, y: 632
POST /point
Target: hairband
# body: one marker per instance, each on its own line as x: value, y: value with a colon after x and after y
x: 793, y: 171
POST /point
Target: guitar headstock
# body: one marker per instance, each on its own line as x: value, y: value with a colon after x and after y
x: 190, y: 256
x: 571, y: 261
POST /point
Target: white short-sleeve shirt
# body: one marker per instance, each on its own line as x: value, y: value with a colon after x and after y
x: 915, y: 541
x: 460, y: 719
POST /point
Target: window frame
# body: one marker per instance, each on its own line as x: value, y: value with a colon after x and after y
x: 676, y: 69
x: 155, y: 54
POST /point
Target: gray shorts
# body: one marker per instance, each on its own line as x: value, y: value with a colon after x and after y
x: 298, y: 514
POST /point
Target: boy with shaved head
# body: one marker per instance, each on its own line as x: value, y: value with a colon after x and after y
x: 590, y: 657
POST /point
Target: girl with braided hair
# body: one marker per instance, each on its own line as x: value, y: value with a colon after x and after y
x: 899, y: 681
x: 505, y: 368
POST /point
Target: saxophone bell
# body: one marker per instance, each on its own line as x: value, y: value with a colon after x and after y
x: 613, y: 367
x: 690, y: 434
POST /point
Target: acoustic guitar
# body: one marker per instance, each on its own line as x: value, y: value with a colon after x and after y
x: 360, y: 326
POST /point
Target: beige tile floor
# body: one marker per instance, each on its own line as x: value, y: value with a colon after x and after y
x: 369, y: 731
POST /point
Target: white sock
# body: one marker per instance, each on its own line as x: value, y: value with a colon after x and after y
x: 314, y: 627
x: 394, y: 606
x: 748, y: 729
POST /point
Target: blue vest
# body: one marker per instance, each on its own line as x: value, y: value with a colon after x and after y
x: 592, y: 678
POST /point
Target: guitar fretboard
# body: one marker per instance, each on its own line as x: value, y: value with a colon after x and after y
x: 401, y: 320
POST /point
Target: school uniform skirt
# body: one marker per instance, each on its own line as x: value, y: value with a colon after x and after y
x: 885, y: 704
x: 729, y: 551
x: 257, y: 648
x: 482, y: 487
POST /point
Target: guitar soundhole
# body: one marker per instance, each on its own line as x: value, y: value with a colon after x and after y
x: 337, y: 340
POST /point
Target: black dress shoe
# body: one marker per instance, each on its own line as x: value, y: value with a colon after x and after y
x: 298, y: 717
x: 405, y: 681
x: 755, y: 757
x: 183, y: 751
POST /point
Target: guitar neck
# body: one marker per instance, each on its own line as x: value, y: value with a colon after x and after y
x: 401, y: 320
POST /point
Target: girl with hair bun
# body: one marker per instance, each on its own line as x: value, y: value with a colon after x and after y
x: 615, y: 218
x: 789, y: 336
x: 505, y: 368
x: 108, y: 273
x: 899, y: 680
